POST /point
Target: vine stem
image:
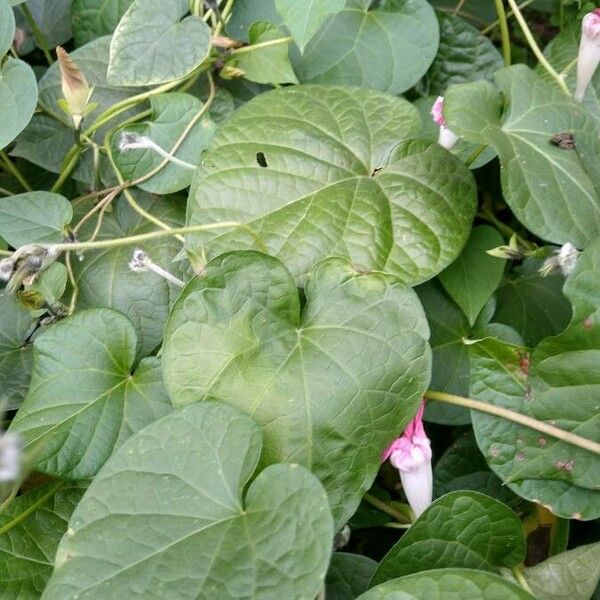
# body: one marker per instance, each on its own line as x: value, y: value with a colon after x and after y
x: 503, y: 31
x: 224, y: 14
x: 6, y: 192
x: 536, y: 49
x: 385, y: 507
x: 14, y: 171
x: 515, y: 417
x: 510, y: 13
x: 37, y: 33
x: 277, y: 42
x: 520, y: 577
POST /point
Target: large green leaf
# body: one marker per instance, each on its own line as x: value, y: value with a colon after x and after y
x: 93, y: 19
x: 16, y: 324
x: 532, y: 304
x: 348, y: 576
x: 172, y: 116
x: 18, y: 98
x: 551, y: 191
x: 448, y: 584
x: 247, y: 12
x: 34, y: 217
x: 482, y: 532
x: 83, y: 401
x: 172, y: 498
x: 304, y: 17
x: 105, y: 279
x: 464, y: 55
x: 582, y: 287
x: 7, y: 27
x: 331, y: 384
x: 31, y: 527
x: 339, y: 181
x: 556, y: 385
x: 388, y: 48
x: 266, y: 63
x: 50, y: 136
x: 472, y: 278
x: 155, y: 43
x: 53, y: 19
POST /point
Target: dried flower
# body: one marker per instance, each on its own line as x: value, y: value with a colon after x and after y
x: 140, y: 263
x: 130, y: 140
x: 411, y: 455
x: 589, y: 52
x: 11, y: 457
x: 447, y: 138
x: 26, y: 264
x: 565, y: 259
x: 75, y: 88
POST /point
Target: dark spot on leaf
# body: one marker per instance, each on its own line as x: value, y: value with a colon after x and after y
x: 588, y: 323
x: 375, y: 171
x: 261, y: 160
x: 524, y: 363
x: 563, y: 140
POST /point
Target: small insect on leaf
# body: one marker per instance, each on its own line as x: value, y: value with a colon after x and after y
x: 261, y: 160
x: 563, y: 140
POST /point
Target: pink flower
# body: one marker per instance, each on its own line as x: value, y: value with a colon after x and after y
x: 411, y: 455
x: 447, y: 138
x: 589, y: 52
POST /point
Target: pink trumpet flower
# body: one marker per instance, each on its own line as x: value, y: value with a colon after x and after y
x: 589, y: 52
x: 411, y: 455
x: 447, y: 138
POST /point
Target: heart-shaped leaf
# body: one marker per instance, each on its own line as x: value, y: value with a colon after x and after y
x: 552, y: 191
x: 388, y: 48
x: 318, y: 171
x: 328, y: 405
x: 93, y: 19
x: 16, y: 325
x: 304, y: 17
x: 557, y: 386
x: 172, y: 502
x: 348, y: 576
x: 83, y: 401
x: 448, y: 584
x: 482, y: 532
x: 105, y: 279
x: 31, y: 527
x: 34, y: 217
x: 7, y: 27
x: 172, y: 116
x: 18, y: 98
x: 155, y: 43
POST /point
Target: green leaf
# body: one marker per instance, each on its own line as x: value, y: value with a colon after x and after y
x: 93, y: 19
x: 482, y: 532
x: 172, y: 116
x: 348, y: 576
x: 242, y: 322
x: 464, y: 55
x: 304, y: 17
x: 40, y: 217
x: 51, y: 283
x: 52, y: 18
x: 389, y: 48
x: 448, y: 584
x: 339, y: 181
x: 472, y: 278
x: 551, y: 191
x: 247, y: 12
x: 7, y: 27
x: 173, y: 497
x: 49, y: 136
x: 16, y: 324
x: 450, y: 367
x: 83, y: 401
x: 105, y: 279
x: 572, y: 575
x: 18, y: 98
x: 561, y: 389
x: 31, y: 527
x: 582, y: 287
x: 532, y: 304
x: 155, y: 43
x: 266, y: 64
x: 462, y: 467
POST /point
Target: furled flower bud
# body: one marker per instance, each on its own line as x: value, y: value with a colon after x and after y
x: 589, y: 52
x: 411, y: 455
x: 447, y: 138
x: 75, y: 88
x: 513, y: 251
x: 11, y: 457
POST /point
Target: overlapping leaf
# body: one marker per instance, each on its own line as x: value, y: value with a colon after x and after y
x: 331, y: 384
x: 7, y: 27
x: 93, y: 19
x: 348, y: 576
x: 83, y: 401
x: 552, y: 191
x: 172, y: 501
x: 338, y: 181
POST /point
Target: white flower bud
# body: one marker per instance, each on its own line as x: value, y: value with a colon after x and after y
x: 589, y: 52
